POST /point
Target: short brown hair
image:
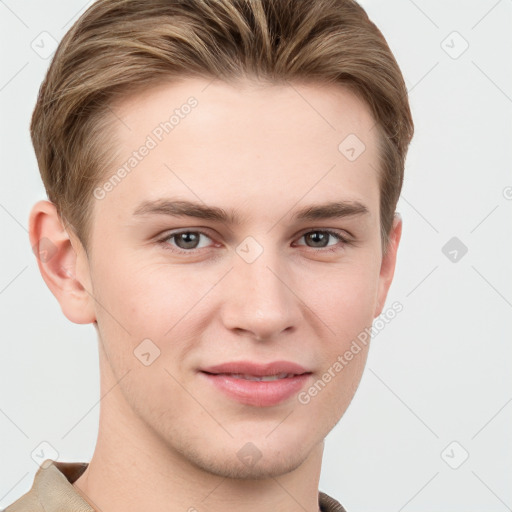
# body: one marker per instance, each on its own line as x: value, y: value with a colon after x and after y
x: 119, y: 46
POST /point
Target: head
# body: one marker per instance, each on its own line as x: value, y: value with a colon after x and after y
x: 258, y: 112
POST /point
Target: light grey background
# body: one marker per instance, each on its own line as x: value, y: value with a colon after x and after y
x: 439, y: 373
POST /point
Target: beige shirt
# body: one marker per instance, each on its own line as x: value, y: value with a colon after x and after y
x: 52, y: 491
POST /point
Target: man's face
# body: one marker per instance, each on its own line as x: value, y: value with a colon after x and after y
x: 269, y: 287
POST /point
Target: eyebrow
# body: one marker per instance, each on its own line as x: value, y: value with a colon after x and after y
x: 180, y: 208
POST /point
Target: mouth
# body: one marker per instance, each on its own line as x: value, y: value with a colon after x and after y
x: 244, y: 369
x: 258, y: 378
x: 260, y: 385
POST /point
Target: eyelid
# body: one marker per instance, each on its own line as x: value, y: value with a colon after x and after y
x: 341, y: 234
x: 170, y: 235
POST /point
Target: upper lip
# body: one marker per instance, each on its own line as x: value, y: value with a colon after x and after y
x: 257, y: 369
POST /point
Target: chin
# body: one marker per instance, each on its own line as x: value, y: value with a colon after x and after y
x: 270, y: 465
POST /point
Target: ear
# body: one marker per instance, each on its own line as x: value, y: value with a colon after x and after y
x: 387, y: 268
x: 62, y: 262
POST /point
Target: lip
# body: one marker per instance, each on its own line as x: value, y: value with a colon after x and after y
x: 257, y: 369
x: 257, y: 393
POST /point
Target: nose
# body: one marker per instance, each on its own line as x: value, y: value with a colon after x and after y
x: 260, y: 298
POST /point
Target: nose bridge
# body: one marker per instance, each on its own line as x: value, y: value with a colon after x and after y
x: 261, y: 301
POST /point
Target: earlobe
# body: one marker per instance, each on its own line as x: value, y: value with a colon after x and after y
x: 387, y: 268
x: 63, y: 264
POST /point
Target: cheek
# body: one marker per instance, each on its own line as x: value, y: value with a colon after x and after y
x: 345, y: 303
x: 146, y: 301
x: 345, y: 299
x: 160, y: 296
x: 124, y: 308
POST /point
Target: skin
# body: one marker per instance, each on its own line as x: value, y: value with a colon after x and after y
x: 168, y: 440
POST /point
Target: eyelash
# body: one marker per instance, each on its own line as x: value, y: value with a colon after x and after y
x: 344, y: 241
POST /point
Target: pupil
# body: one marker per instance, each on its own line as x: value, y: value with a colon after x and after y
x: 189, y: 239
x: 318, y: 236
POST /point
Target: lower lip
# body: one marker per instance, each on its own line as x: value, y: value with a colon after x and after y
x: 258, y: 393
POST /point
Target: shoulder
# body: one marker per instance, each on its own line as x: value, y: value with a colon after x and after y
x: 52, y: 490
x: 29, y: 502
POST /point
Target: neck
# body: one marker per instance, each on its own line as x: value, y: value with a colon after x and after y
x: 134, y: 469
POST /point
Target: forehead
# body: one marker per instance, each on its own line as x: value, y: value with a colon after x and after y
x: 224, y: 142
x: 320, y: 108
